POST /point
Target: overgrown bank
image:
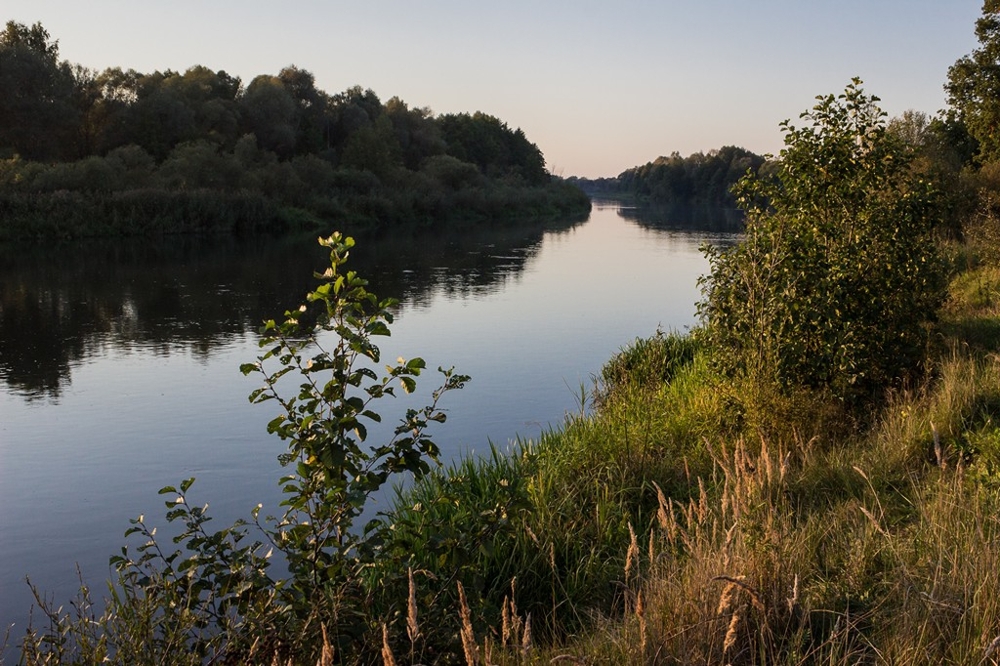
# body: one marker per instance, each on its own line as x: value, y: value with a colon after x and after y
x: 60, y: 215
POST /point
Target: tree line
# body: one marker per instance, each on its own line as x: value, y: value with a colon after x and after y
x: 279, y: 143
x: 698, y: 179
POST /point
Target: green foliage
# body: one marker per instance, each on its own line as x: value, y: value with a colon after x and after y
x: 490, y: 144
x: 38, y: 105
x: 345, y: 156
x: 325, y: 424
x: 647, y: 362
x: 839, y: 274
x: 271, y: 114
x: 35, y: 38
x: 373, y: 148
x: 546, y: 524
x: 941, y: 152
x: 973, y: 85
x: 696, y: 179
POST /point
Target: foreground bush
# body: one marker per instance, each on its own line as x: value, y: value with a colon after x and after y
x: 839, y: 274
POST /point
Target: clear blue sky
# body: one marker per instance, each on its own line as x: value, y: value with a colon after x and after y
x: 599, y: 86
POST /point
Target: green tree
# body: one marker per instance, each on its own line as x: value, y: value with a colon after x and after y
x: 270, y: 112
x: 490, y: 144
x: 200, y: 164
x: 940, y: 150
x: 157, y: 116
x: 107, y: 116
x: 373, y: 148
x: 313, y: 130
x: 35, y: 38
x: 38, y: 111
x: 973, y: 85
x: 418, y: 135
x: 838, y: 274
x: 695, y: 179
x: 350, y: 111
x: 211, y: 96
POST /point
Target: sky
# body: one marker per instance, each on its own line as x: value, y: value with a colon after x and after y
x: 599, y: 86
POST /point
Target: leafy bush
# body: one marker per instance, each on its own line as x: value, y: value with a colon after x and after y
x: 838, y: 275
x: 214, y: 598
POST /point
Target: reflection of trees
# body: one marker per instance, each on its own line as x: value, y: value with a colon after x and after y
x: 412, y: 263
x: 707, y: 218
x: 60, y: 305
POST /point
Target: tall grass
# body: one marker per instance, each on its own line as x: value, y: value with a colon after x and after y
x: 872, y: 542
x: 871, y: 551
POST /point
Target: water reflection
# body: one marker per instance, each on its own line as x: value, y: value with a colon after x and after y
x: 680, y: 217
x: 60, y: 306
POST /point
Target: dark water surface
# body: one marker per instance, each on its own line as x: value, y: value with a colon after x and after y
x: 119, y: 362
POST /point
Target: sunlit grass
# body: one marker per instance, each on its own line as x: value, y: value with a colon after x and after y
x: 788, y: 532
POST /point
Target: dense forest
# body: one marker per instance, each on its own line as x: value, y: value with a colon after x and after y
x: 698, y: 179
x: 124, y: 152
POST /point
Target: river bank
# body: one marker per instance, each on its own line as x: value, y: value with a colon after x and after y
x: 703, y: 519
x: 820, y: 534
x: 63, y: 215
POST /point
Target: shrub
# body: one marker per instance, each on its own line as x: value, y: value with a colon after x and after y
x: 839, y: 274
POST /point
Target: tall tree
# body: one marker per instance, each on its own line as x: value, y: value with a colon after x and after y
x: 973, y: 85
x: 418, y: 135
x: 38, y: 113
x: 270, y: 112
x: 313, y: 130
x: 35, y: 39
x: 490, y: 144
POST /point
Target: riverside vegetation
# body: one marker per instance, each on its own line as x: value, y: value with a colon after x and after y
x: 811, y: 477
x: 121, y: 153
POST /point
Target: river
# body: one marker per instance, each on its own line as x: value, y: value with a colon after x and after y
x: 119, y: 361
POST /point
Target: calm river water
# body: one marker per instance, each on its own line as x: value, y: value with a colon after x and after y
x: 119, y: 362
